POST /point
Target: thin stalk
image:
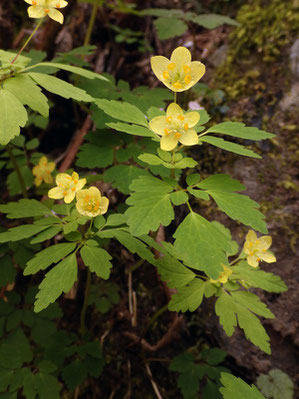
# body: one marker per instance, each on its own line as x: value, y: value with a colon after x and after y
x: 85, y: 303
x: 136, y: 266
x: 27, y: 41
x: 175, y: 97
x: 18, y: 171
x: 155, y: 316
x: 91, y: 23
x: 189, y: 206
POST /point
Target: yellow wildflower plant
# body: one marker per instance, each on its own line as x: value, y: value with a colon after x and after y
x: 41, y: 8
x: 91, y: 203
x: 67, y: 187
x: 175, y: 127
x: 223, y: 276
x: 256, y: 249
x: 42, y: 171
x: 178, y: 73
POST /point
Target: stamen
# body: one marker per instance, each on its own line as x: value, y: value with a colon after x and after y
x: 165, y: 75
x: 58, y: 5
x: 186, y: 126
x: 166, y: 132
x: 75, y: 181
x: 171, y: 66
x: 73, y: 188
x: 187, y: 69
x: 64, y: 193
x: 168, y: 119
x: 180, y: 117
x: 177, y: 85
x: 177, y: 135
x: 46, y: 10
x: 34, y: 2
x: 258, y: 259
x: 187, y: 79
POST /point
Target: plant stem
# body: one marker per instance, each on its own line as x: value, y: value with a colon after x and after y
x: 175, y: 97
x: 85, y: 303
x: 136, y: 266
x: 91, y: 23
x: 18, y: 171
x: 28, y: 40
x: 189, y: 206
x: 155, y: 316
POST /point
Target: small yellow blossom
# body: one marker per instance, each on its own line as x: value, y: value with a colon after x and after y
x: 175, y: 127
x: 91, y: 203
x: 223, y: 276
x: 67, y: 187
x: 41, y: 8
x: 178, y: 73
x: 256, y: 249
x: 42, y: 171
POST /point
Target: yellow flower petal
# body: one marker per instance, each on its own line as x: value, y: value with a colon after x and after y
x: 192, y: 118
x: 38, y: 181
x: 63, y: 178
x: 265, y: 242
x: 198, y: 69
x: 251, y: 236
x: 36, y: 12
x: 56, y: 193
x: 181, y: 56
x: 174, y: 110
x: 159, y: 65
x: 189, y: 137
x: 104, y: 203
x: 69, y: 196
x: 169, y: 142
x: 56, y: 15
x: 158, y: 124
x: 252, y: 260
x: 267, y: 256
x: 51, y: 166
x: 48, y: 178
x: 81, y: 183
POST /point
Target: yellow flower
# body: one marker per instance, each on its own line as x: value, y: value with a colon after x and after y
x: 41, y: 8
x: 256, y: 249
x: 91, y: 203
x: 223, y: 276
x: 67, y: 187
x: 175, y: 127
x: 42, y: 171
x: 178, y: 73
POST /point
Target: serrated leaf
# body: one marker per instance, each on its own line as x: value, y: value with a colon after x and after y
x: 229, y: 308
x: 236, y: 206
x: 60, y: 87
x: 188, y: 298
x: 229, y: 146
x: 134, y: 130
x: 216, y: 356
x: 211, y: 21
x: 13, y: 115
x: 179, y: 197
x: 201, y: 245
x: 21, y: 232
x: 74, y: 374
x: 234, y: 247
x: 28, y: 93
x: 122, y: 111
x: 252, y: 302
x: 190, y: 374
x: 258, y: 278
x: 15, y: 350
x: 276, y: 385
x: 235, y: 388
x: 47, y: 386
x: 70, y: 68
x: 150, y: 205
x: 121, y: 176
x: 170, y: 27
x: 58, y: 280
x: 174, y: 272
x: 151, y: 159
x: 46, y: 234
x: 237, y: 129
x: 47, y: 256
x: 7, y: 271
x: 98, y: 260
x: 186, y: 163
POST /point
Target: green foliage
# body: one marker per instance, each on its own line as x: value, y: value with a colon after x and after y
x: 98, y: 260
x: 103, y: 296
x: 276, y: 385
x: 234, y: 388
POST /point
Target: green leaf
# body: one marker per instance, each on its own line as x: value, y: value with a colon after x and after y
x: 13, y: 115
x: 47, y: 256
x: 174, y: 272
x: 7, y: 271
x: 198, y: 194
x: 276, y: 385
x: 151, y: 159
x: 186, y: 163
x: 190, y: 374
x: 237, y: 129
x: 150, y: 205
x: 78, y: 71
x: 116, y: 219
x: 58, y: 280
x: 179, y: 197
x: 258, y: 278
x: 236, y: 206
x: 216, y: 356
x: 47, y: 386
x: 98, y: 260
x: 46, y: 234
x: 235, y: 388
x: 121, y: 176
x: 21, y: 232
x: 32, y: 144
x: 122, y: 111
x: 188, y: 298
x: 170, y: 27
x: 60, y: 87
x: 211, y: 21
x: 28, y: 93
x: 229, y: 146
x: 201, y: 245
x: 233, y: 245
x: 237, y: 306
x: 15, y: 350
x: 74, y: 374
x: 193, y: 179
x: 134, y: 130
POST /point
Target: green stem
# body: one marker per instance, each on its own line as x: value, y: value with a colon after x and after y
x: 27, y: 41
x: 18, y: 171
x: 85, y: 303
x: 189, y: 206
x: 136, y: 266
x: 155, y: 316
x: 89, y: 228
x: 175, y: 97
x: 91, y: 23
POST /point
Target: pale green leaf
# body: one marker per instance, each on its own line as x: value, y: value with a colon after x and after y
x: 252, y: 302
x: 116, y: 219
x: 276, y: 385
x: 151, y: 159
x: 229, y: 146
x: 201, y: 245
x: 134, y: 130
x: 237, y: 129
x: 174, y: 272
x: 28, y: 93
x: 186, y: 163
x: 193, y: 179
x: 234, y: 247
x: 98, y: 260
x: 179, y: 197
x: 235, y: 388
x: 170, y: 27
x: 21, y: 232
x: 13, y: 115
x: 198, y: 194
x: 46, y: 234
x: 224, y: 309
x: 150, y: 205
x: 211, y: 21
x: 60, y: 87
x: 122, y: 111
x: 70, y: 68
x: 121, y: 176
x: 59, y: 279
x: 188, y: 298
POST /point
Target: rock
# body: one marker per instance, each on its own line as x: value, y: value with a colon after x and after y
x: 290, y: 99
x: 219, y: 55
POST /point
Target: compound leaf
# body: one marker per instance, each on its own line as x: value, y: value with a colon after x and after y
x: 98, y: 260
x: 121, y: 176
x: 25, y: 208
x: 238, y: 129
x: 229, y: 146
x: 188, y: 298
x: 235, y: 388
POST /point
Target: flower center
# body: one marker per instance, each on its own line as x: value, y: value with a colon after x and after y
x: 46, y: 10
x: 34, y: 2
x: 91, y: 204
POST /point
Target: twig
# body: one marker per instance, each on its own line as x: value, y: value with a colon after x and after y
x: 155, y: 387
